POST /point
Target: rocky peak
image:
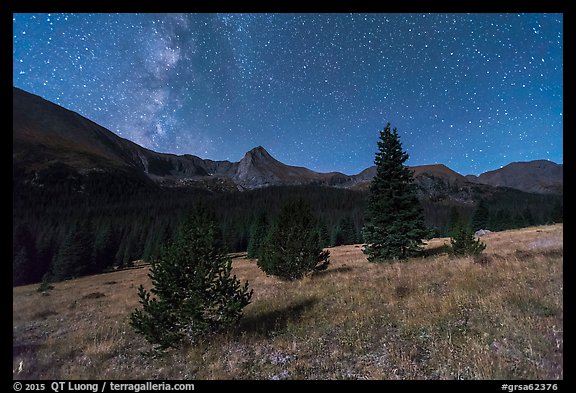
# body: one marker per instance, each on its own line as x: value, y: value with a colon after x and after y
x: 257, y: 154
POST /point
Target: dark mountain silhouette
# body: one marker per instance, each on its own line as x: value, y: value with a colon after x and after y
x: 45, y: 134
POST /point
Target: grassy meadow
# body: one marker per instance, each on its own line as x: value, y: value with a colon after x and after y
x: 499, y: 316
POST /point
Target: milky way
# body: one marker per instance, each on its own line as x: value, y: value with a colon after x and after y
x: 472, y: 91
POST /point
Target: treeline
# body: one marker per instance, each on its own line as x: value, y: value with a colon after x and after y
x: 500, y: 209
x: 68, y: 225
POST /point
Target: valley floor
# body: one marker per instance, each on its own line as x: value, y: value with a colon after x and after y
x: 426, y: 318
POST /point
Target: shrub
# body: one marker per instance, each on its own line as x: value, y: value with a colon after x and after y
x: 482, y: 259
x: 45, y: 285
x: 292, y: 248
x: 464, y: 243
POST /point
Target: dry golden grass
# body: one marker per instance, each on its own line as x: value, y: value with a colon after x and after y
x: 426, y: 318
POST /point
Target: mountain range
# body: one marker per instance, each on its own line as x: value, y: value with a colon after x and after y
x: 46, y: 134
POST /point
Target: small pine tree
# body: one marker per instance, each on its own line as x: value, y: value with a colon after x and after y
x: 194, y: 293
x: 464, y: 243
x: 394, y: 226
x: 292, y: 248
x: 45, y: 284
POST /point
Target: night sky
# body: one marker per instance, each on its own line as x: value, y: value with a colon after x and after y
x: 472, y: 91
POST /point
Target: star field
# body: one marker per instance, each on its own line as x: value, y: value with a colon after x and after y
x: 472, y: 91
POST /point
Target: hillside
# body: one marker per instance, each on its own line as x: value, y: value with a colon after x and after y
x: 429, y: 318
x: 46, y: 135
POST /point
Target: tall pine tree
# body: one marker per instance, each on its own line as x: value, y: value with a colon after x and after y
x: 394, y: 226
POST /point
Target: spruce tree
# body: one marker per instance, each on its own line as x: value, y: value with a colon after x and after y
x: 323, y: 235
x: 74, y: 258
x: 258, y: 231
x: 345, y: 232
x: 480, y: 217
x: 292, y: 248
x: 157, y: 235
x: 104, y: 248
x: 194, y: 293
x: 394, y: 226
x: 455, y: 221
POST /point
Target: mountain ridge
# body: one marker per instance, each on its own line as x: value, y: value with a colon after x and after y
x: 45, y: 133
x: 537, y: 176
